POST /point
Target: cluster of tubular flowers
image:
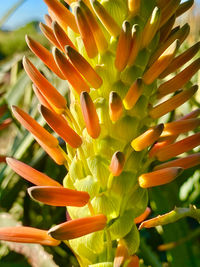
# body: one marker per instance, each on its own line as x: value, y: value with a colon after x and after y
x: 114, y: 55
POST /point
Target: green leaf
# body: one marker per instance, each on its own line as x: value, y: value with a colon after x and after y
x: 105, y: 204
x: 88, y: 184
x: 132, y: 240
x: 99, y: 169
x: 122, y: 225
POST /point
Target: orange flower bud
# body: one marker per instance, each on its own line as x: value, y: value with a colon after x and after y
x: 183, y: 7
x: 105, y: 18
x: 180, y: 126
x: 150, y: 28
x: 161, y: 63
x: 78, y: 227
x: 90, y: 115
x: 135, y: 44
x: 124, y: 44
x: 84, y: 67
x: 166, y: 29
x: 178, y: 148
x: 86, y: 33
x: 179, y: 80
x: 172, y: 103
x: 48, y: 33
x: 133, y: 261
x: 30, y: 174
x: 100, y: 40
x: 64, y: 17
x: 48, y: 20
x: 117, y: 163
x: 47, y: 89
x: 143, y: 216
x: 185, y: 163
x: 5, y: 123
x: 181, y: 60
x: 61, y: 127
x: 41, y: 98
x: 22, y: 234
x: 41, y: 52
x: 115, y: 106
x: 147, y: 138
x: 61, y: 36
x: 121, y: 253
x: 35, y: 128
x: 59, y: 196
x: 160, y: 177
x: 168, y: 10
x: 134, y: 7
x: 70, y: 73
x: 133, y: 94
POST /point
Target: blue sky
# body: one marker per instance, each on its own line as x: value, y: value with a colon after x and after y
x: 30, y: 10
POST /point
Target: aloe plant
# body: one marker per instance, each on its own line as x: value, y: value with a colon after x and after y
x: 116, y: 56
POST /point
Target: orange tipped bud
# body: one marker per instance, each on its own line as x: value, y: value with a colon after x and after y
x: 22, y: 234
x: 161, y: 63
x: 48, y: 33
x: 178, y: 148
x: 147, y: 138
x: 5, y: 123
x: 167, y: 246
x: 185, y: 163
x: 30, y: 174
x: 2, y: 159
x: 35, y: 128
x: 59, y: 196
x: 151, y: 28
x: 143, y: 216
x: 121, y: 253
x: 160, y: 145
x: 134, y: 7
x: 180, y: 126
x: 172, y: 103
x: 106, y: 19
x: 195, y: 113
x: 176, y: 34
x: 133, y: 261
x: 181, y: 60
x: 86, y: 33
x: 84, y: 67
x: 61, y: 127
x: 159, y: 177
x: 115, y: 106
x: 41, y: 98
x: 61, y: 36
x: 56, y: 153
x: 117, y: 163
x: 183, y: 7
x: 135, y: 44
x: 78, y: 227
x: 3, y: 110
x: 100, y: 40
x: 124, y: 44
x: 70, y: 73
x: 179, y: 80
x: 169, y: 9
x: 41, y: 52
x: 47, y: 89
x: 166, y: 29
x: 64, y: 17
x: 90, y: 115
x: 133, y: 94
x: 48, y: 20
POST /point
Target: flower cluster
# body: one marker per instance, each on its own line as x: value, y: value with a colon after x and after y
x: 115, y: 55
